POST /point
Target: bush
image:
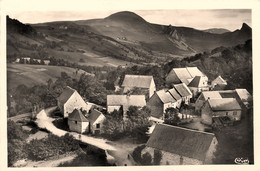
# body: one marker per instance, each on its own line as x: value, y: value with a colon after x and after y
x: 157, y: 157
x: 137, y: 153
x: 146, y: 159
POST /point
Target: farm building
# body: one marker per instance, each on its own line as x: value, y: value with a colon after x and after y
x: 96, y: 119
x: 198, y: 84
x: 181, y: 146
x: 70, y: 100
x: 219, y: 83
x: 226, y: 107
x: 184, y: 75
x: 184, y: 92
x: 145, y: 82
x: 204, y: 96
x: 176, y: 96
x: 117, y: 102
x: 78, y: 122
x: 159, y: 102
x: 245, y: 97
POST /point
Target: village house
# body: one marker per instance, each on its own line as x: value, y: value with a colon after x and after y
x: 245, y: 98
x: 123, y: 102
x: 184, y: 75
x: 216, y: 108
x: 204, y: 96
x: 78, y: 122
x: 181, y: 146
x: 46, y: 62
x: 184, y: 92
x: 198, y: 84
x: 176, y: 96
x: 144, y: 82
x: 218, y: 84
x: 70, y: 100
x: 96, y: 119
x: 159, y: 102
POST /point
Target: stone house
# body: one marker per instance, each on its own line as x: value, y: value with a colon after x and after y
x: 70, y: 100
x: 96, y: 119
x: 78, y: 122
x: 145, y: 82
x: 225, y: 107
x: 203, y: 97
x: 184, y: 92
x: 176, y: 96
x: 117, y: 102
x: 159, y: 102
x: 219, y: 83
x: 184, y: 75
x: 198, y: 84
x: 181, y: 146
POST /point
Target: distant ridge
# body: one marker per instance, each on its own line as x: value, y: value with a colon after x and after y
x: 217, y: 30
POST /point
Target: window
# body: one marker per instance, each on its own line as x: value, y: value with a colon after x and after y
x: 235, y: 113
x: 226, y: 113
x: 98, y: 125
x: 76, y: 122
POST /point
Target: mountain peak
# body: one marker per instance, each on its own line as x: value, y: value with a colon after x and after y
x: 125, y: 16
x: 245, y: 27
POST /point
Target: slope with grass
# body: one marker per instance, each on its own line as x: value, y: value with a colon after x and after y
x: 31, y: 75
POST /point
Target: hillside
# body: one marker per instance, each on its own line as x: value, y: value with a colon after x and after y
x: 31, y: 75
x: 216, y: 30
x: 122, y: 38
x: 234, y: 64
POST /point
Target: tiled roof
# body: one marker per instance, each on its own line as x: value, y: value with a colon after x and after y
x: 244, y: 95
x: 182, y: 74
x: 175, y: 94
x: 132, y: 100
x: 165, y: 96
x: 181, y: 141
x: 224, y: 104
x: 94, y: 115
x: 194, y: 71
x: 65, y: 95
x: 141, y: 81
x: 211, y: 95
x: 77, y: 115
x: 219, y: 80
x: 182, y: 89
x: 197, y: 81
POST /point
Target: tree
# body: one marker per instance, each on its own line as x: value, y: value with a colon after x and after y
x: 171, y: 116
x: 157, y: 157
x: 146, y: 159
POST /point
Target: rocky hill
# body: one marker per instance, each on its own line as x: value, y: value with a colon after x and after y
x: 119, y: 39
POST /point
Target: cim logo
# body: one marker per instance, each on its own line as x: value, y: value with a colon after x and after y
x: 241, y: 160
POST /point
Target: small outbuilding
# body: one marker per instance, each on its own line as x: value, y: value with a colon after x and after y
x: 78, y: 122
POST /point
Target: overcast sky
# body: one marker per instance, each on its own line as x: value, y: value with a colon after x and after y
x: 45, y: 11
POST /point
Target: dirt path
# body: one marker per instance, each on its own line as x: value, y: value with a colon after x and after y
x: 51, y: 163
x: 45, y: 122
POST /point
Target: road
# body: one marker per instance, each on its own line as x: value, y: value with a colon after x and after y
x: 116, y: 151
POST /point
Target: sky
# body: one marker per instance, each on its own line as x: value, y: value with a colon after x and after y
x: 199, y: 19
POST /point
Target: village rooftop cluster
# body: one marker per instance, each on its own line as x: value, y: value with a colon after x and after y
x: 190, y: 89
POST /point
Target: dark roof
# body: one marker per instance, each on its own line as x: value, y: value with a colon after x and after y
x: 77, y: 115
x: 140, y: 81
x: 94, y: 115
x: 182, y: 89
x: 175, y: 94
x: 65, y: 95
x: 165, y: 97
x: 197, y: 82
x: 224, y: 104
x: 181, y: 141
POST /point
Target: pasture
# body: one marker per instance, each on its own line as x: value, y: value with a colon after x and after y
x: 31, y: 75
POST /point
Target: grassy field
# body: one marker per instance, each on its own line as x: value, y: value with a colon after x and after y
x: 31, y: 75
